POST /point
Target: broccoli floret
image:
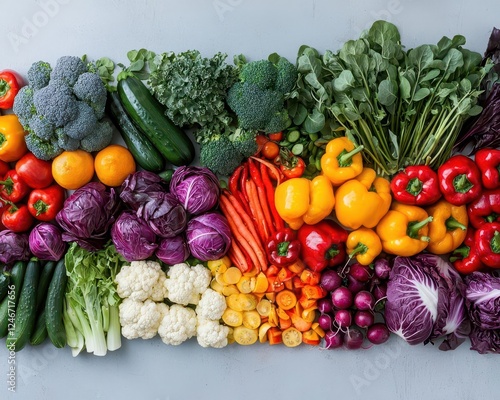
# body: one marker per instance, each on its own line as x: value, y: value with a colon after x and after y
x: 24, y: 107
x: 56, y: 103
x: 65, y: 142
x: 39, y: 74
x: 220, y: 156
x: 83, y: 124
x: 258, y: 98
x: 41, y: 127
x: 90, y: 88
x: 42, y: 149
x: 244, y: 142
x: 68, y: 69
x: 100, y: 137
x: 262, y: 73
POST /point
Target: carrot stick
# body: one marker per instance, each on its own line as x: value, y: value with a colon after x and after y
x: 268, y: 185
x: 239, y: 230
x: 252, y: 239
x: 257, y: 211
x: 247, y: 219
x: 261, y: 194
x: 237, y: 257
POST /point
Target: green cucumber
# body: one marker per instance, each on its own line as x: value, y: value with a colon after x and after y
x: 4, y: 284
x: 143, y: 151
x: 148, y: 115
x: 40, y: 332
x: 54, y: 306
x: 8, y: 305
x: 26, y: 309
x: 43, y: 285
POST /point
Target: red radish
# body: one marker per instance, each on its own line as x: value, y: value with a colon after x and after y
x: 360, y: 272
x: 364, y: 300
x: 342, y: 298
x: 382, y: 268
x: 353, y: 339
x: 380, y: 291
x: 333, y: 339
x: 325, y: 321
x: 364, y: 319
x: 378, y: 333
x: 330, y: 280
x: 325, y: 305
x: 354, y: 285
x: 343, y: 318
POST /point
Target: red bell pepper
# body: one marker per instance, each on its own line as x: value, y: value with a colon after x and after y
x: 9, y: 86
x: 485, y: 209
x: 416, y: 185
x: 459, y: 180
x: 283, y: 248
x: 36, y: 173
x: 44, y: 204
x: 17, y: 218
x: 465, y: 258
x: 4, y: 168
x: 12, y: 187
x: 322, y: 244
x: 487, y: 239
x: 488, y: 162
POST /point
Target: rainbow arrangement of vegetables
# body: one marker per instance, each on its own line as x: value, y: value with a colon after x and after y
x: 335, y: 203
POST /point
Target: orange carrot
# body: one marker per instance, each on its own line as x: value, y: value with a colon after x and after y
x: 247, y: 219
x: 286, y: 299
x: 255, y: 207
x: 237, y: 257
x: 261, y: 195
x: 273, y: 169
x: 269, y: 190
x: 240, y: 232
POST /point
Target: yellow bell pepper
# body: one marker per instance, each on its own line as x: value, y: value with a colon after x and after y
x: 342, y: 160
x: 364, y: 244
x: 404, y: 230
x: 363, y: 201
x: 12, y: 144
x: 299, y: 200
x: 448, y: 227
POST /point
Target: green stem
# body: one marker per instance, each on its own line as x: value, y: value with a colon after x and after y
x: 460, y: 253
x: 345, y: 158
x: 495, y: 243
x: 415, y: 226
x: 4, y: 87
x: 414, y: 186
x: 462, y: 184
x: 360, y: 248
x: 452, y: 224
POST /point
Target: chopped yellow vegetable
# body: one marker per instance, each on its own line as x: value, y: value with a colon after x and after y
x: 245, y: 336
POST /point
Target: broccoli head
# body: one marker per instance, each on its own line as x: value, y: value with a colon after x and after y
x: 68, y: 69
x: 83, y: 124
x: 24, y: 106
x: 220, y: 156
x: 39, y: 74
x: 65, y: 142
x: 90, y: 89
x: 244, y: 142
x: 42, y: 149
x: 100, y: 137
x: 56, y: 103
x: 258, y: 99
x: 41, y: 127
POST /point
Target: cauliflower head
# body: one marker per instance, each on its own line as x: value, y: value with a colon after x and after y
x: 141, y: 280
x: 141, y: 319
x: 185, y: 284
x: 210, y: 333
x: 178, y: 325
x: 211, y: 306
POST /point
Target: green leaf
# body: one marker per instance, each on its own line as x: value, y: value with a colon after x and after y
x: 314, y: 121
x: 465, y: 85
x: 393, y: 145
x: 132, y: 55
x: 446, y: 89
x: 382, y: 32
x: 453, y: 60
x: 300, y: 115
x: 421, y: 57
x: 433, y: 73
x: 475, y: 110
x: 312, y: 80
x: 351, y: 114
x: 421, y: 94
x: 404, y: 88
x: 308, y: 62
x: 387, y: 92
x: 136, y: 66
x: 274, y: 58
x: 344, y: 81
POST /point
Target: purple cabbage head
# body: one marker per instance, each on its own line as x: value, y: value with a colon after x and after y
x: 164, y: 214
x: 132, y: 237
x: 14, y: 247
x: 196, y: 188
x: 45, y: 241
x: 208, y: 236
x: 173, y: 250
x: 87, y: 216
x: 425, y: 301
x: 485, y: 340
x: 137, y: 187
x: 482, y: 297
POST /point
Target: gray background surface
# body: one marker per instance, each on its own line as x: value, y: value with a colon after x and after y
x: 148, y: 370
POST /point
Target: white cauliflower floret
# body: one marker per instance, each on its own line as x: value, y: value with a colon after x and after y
x: 141, y: 280
x: 210, y: 333
x: 185, y: 284
x: 178, y: 325
x: 211, y: 306
x: 140, y: 319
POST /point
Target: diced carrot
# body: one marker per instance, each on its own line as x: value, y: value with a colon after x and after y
x: 285, y: 323
x: 272, y: 270
x: 297, y: 267
x: 318, y: 329
x: 313, y: 292
x: 306, y: 303
x: 297, y: 282
x: 311, y: 337
x: 310, y: 277
x: 282, y: 313
x: 271, y: 296
x: 275, y: 285
x: 301, y: 324
x: 285, y: 274
x: 274, y: 336
x: 286, y: 299
x: 289, y: 285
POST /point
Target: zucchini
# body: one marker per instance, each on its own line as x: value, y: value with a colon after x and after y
x: 8, y: 304
x: 143, y: 151
x: 4, y: 284
x: 54, y: 306
x: 26, y: 309
x: 148, y: 115
x: 40, y: 332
